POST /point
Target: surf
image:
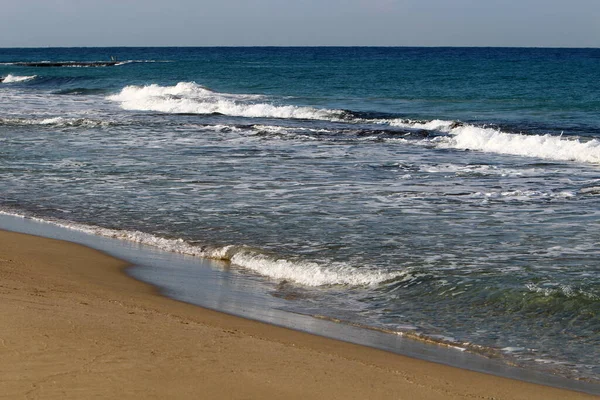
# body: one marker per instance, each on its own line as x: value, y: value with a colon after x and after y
x: 16, y: 79
x: 191, y: 98
x: 272, y: 266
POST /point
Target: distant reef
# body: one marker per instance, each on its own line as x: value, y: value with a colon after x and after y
x: 68, y: 64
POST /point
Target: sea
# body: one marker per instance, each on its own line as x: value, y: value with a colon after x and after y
x: 448, y: 195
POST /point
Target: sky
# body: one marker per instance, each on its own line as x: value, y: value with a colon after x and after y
x: 519, y: 23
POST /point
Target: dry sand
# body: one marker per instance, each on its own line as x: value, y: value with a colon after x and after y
x: 74, y: 326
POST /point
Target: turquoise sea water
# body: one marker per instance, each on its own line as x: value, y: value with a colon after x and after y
x: 441, y: 192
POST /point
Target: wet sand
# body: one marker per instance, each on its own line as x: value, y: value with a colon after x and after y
x: 74, y: 325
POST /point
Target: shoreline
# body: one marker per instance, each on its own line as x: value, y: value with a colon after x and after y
x: 101, y: 332
x: 214, y: 285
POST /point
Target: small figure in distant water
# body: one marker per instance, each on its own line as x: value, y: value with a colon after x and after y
x: 113, y: 58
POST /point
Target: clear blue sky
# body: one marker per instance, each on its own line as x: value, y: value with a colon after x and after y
x: 554, y: 23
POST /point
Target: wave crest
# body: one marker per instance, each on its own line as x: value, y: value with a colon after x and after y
x: 300, y: 272
x: 191, y: 98
x: 310, y: 273
x: 545, y: 146
x: 14, y: 78
x: 456, y: 135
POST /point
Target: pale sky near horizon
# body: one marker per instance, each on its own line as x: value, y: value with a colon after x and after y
x: 538, y: 23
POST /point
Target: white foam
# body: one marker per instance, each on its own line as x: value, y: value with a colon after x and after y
x: 513, y: 349
x: 301, y: 272
x: 470, y: 137
x: 274, y: 129
x: 191, y: 98
x: 524, y: 194
x: 539, y: 146
x: 125, y: 62
x: 310, y: 273
x: 434, y: 125
x: 490, y: 140
x: 47, y: 121
x: 476, y: 169
x: 55, y: 121
x: 13, y: 78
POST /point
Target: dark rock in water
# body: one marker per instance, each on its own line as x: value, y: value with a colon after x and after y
x: 1, y: 79
x: 68, y: 64
x: 456, y: 124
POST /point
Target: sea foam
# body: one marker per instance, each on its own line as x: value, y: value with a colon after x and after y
x: 470, y: 137
x: 14, y: 79
x: 539, y: 146
x: 60, y: 122
x: 310, y: 273
x: 191, y: 98
x: 300, y: 272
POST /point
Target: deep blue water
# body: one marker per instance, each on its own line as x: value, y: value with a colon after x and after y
x: 450, y: 193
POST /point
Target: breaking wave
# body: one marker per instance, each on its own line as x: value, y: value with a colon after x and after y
x: 548, y: 147
x: 14, y: 78
x: 455, y: 135
x: 191, y: 98
x: 310, y: 273
x: 300, y: 272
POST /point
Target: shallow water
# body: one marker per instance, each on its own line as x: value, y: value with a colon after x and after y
x: 213, y: 285
x: 445, y: 193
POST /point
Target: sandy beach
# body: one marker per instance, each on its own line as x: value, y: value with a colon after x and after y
x: 74, y: 325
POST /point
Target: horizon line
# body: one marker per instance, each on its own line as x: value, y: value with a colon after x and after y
x: 303, y: 46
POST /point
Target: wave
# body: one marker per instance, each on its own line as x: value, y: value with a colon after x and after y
x: 14, y: 79
x: 297, y: 271
x: 456, y: 135
x: 191, y: 98
x: 56, y: 122
x: 548, y: 147
x: 311, y: 273
x: 434, y: 125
